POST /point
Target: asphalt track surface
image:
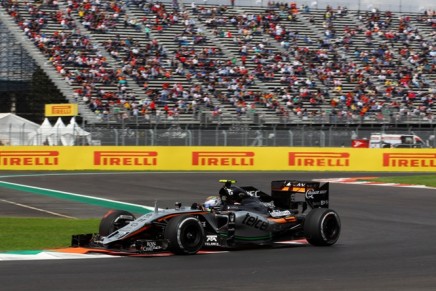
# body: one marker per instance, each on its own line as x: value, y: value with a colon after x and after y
x: 387, y: 241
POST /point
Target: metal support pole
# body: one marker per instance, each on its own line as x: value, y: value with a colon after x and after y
x: 322, y: 138
x: 291, y: 138
x: 225, y: 138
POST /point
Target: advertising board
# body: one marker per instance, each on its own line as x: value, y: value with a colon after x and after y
x: 216, y: 159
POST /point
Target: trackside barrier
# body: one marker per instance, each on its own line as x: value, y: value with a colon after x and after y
x: 217, y: 159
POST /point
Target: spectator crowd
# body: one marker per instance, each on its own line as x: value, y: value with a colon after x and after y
x: 348, y: 65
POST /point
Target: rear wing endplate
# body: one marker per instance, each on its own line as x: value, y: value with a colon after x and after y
x: 291, y: 194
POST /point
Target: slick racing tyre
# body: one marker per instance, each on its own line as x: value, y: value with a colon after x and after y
x: 113, y: 220
x: 322, y: 227
x: 185, y: 235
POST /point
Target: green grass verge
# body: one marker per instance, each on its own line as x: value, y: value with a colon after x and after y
x: 41, y: 233
x: 427, y: 180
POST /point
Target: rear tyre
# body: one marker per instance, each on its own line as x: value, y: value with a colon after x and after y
x: 185, y: 235
x: 322, y: 227
x: 113, y: 220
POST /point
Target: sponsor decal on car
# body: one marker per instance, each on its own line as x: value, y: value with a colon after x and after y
x: 310, y: 193
x: 255, y: 221
x: 150, y: 246
x: 212, y: 240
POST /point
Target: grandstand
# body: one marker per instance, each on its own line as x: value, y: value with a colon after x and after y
x: 202, y: 64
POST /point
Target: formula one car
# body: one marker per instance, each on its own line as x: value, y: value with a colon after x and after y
x: 237, y: 218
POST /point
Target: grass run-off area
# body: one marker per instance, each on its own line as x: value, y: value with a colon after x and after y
x: 427, y: 180
x: 19, y: 234
x: 41, y: 233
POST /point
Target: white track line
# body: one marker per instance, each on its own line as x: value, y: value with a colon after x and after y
x: 47, y: 255
x: 371, y: 183
x: 37, y: 209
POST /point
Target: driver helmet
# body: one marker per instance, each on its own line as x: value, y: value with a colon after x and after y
x: 212, y: 201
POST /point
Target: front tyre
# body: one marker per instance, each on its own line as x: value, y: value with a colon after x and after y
x: 113, y: 220
x: 185, y: 235
x: 322, y: 227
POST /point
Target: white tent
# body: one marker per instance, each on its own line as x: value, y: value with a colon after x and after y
x: 40, y: 137
x: 56, y: 132
x: 59, y: 134
x: 73, y: 131
x: 16, y: 130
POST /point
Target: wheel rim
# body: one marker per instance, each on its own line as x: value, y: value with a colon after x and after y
x: 330, y: 227
x: 191, y: 236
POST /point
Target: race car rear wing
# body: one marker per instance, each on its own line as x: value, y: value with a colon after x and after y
x: 291, y: 194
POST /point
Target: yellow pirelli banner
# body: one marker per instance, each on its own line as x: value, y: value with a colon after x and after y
x: 66, y: 109
x: 217, y: 159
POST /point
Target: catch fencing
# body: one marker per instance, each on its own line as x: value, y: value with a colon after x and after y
x: 243, y: 135
x: 236, y: 134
